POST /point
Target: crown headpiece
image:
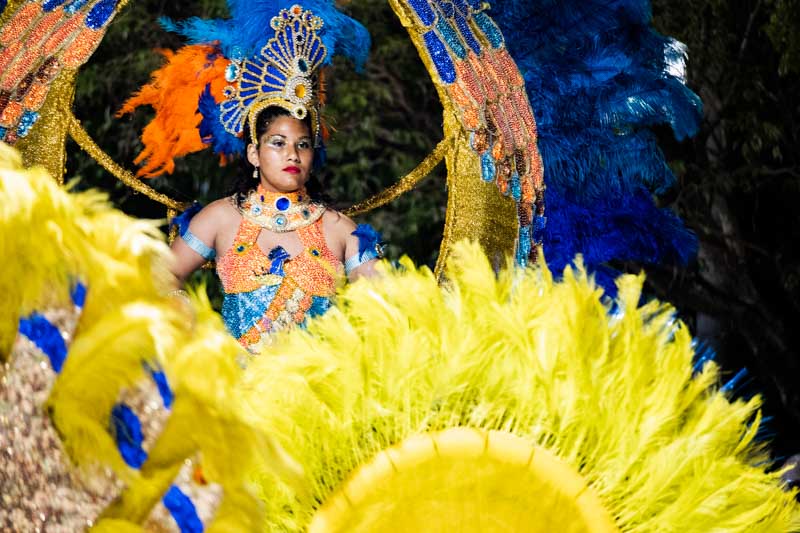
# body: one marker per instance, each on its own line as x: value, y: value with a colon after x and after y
x: 282, y: 74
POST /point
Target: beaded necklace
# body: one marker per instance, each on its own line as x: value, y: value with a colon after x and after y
x: 281, y: 212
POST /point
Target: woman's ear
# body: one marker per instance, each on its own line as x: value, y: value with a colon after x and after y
x: 252, y: 154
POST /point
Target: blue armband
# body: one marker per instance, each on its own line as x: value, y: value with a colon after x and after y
x: 369, y: 248
x: 193, y: 242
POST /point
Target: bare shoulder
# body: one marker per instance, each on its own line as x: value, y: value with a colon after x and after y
x: 218, y: 211
x: 336, y: 223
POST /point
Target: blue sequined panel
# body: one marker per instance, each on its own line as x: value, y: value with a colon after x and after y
x: 450, y: 36
x: 488, y: 168
x: 440, y: 57
x: 74, y: 6
x: 27, y: 121
x: 524, y: 245
x: 489, y: 29
x: 462, y: 7
x: 241, y: 311
x: 516, y: 188
x: 50, y: 5
x: 466, y: 33
x: 424, y: 12
x: 100, y: 14
x: 319, y: 304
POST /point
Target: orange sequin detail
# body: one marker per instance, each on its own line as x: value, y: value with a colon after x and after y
x: 8, y: 55
x: 459, y: 96
x: 510, y: 68
x: 502, y: 122
x: 11, y: 114
x: 470, y: 82
x: 59, y: 37
x: 497, y: 150
x: 527, y: 190
x: 81, y: 48
x: 246, y: 270
x: 524, y: 110
x: 314, y: 272
x: 20, y: 23
x: 470, y: 118
x: 23, y: 64
x: 490, y: 76
x: 43, y: 28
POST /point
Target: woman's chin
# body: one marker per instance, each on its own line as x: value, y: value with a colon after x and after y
x: 285, y: 185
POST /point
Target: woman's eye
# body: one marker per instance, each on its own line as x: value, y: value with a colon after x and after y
x: 304, y: 145
x: 277, y: 142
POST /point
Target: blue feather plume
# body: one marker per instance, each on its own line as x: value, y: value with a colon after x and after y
x: 211, y: 129
x: 247, y: 31
x: 598, y: 79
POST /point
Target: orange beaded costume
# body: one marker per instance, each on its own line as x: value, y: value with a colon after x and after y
x: 267, y: 292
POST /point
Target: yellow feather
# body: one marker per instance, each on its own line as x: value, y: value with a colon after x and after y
x: 609, y: 392
x: 53, y: 238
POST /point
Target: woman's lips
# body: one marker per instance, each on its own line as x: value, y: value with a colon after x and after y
x: 292, y: 170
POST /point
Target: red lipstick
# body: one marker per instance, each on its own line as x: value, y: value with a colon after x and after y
x: 292, y: 169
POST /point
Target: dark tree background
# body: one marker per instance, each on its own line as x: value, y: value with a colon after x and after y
x: 739, y: 178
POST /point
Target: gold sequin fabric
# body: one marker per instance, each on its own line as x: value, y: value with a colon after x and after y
x: 39, y: 489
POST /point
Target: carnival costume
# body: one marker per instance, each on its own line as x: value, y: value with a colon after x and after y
x: 265, y: 291
x: 505, y: 400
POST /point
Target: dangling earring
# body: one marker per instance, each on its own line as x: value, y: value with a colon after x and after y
x: 255, y: 173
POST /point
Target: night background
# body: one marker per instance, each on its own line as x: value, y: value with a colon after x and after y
x: 738, y: 179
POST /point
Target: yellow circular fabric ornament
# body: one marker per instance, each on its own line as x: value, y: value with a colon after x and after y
x: 466, y: 480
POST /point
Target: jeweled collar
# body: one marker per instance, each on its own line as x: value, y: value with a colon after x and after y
x: 280, y: 212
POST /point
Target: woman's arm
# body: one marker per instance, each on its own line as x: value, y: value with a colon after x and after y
x: 356, y: 245
x: 198, y: 244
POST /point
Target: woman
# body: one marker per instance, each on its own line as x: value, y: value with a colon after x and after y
x: 279, y: 254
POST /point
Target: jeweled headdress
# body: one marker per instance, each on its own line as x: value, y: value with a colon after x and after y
x: 266, y: 54
x: 282, y: 74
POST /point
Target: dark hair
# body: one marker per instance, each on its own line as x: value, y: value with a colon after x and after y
x: 244, y: 183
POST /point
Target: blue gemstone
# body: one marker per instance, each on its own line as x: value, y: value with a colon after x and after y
x: 282, y: 203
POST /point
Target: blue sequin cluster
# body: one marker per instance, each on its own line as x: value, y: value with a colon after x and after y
x: 452, y: 26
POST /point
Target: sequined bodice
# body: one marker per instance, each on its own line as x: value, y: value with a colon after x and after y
x: 269, y: 291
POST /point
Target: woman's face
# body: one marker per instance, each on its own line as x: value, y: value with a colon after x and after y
x: 284, y: 155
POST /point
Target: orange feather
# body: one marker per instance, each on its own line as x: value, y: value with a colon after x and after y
x: 174, y: 92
